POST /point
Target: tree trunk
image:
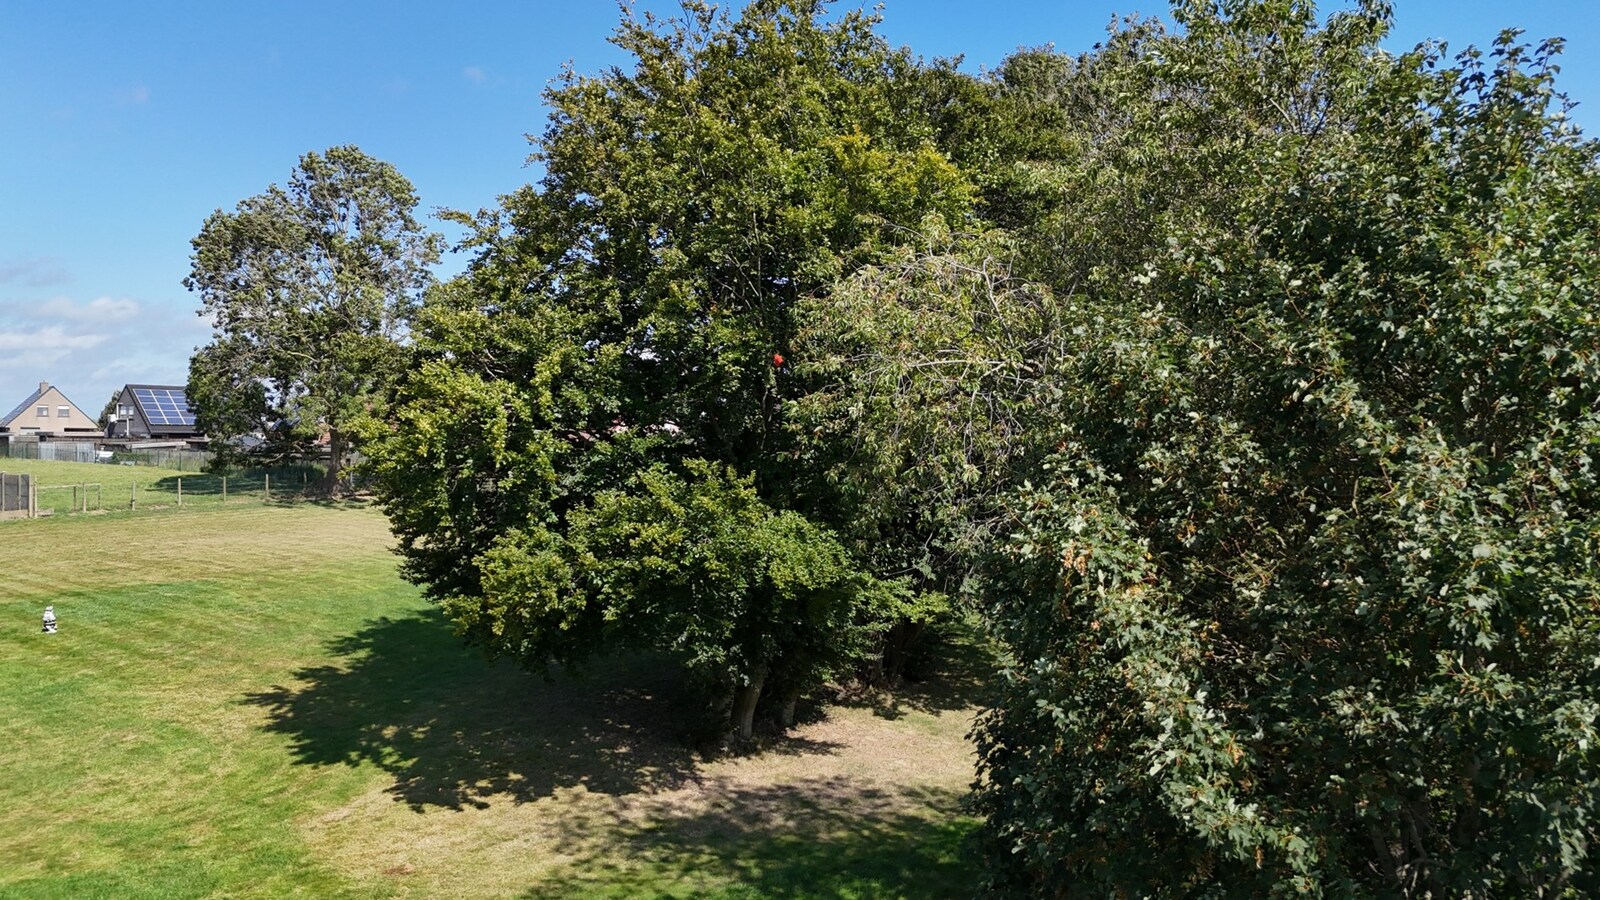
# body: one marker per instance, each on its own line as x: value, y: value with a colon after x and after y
x: 786, y: 712
x: 744, y: 703
x: 890, y: 666
x: 330, y: 483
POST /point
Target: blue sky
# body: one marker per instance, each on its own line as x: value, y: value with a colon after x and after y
x: 126, y: 124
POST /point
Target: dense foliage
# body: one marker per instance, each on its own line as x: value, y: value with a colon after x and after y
x: 694, y: 560
x: 1242, y: 374
x: 308, y: 288
x: 1299, y: 587
x: 633, y: 315
x: 929, y: 372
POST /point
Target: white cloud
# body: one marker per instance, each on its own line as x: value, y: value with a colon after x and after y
x: 45, y: 340
x: 24, y: 368
x: 100, y: 309
x: 137, y: 95
x: 89, y: 348
x: 475, y: 74
x: 123, y: 367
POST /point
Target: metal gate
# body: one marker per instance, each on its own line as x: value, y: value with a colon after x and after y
x: 17, y: 499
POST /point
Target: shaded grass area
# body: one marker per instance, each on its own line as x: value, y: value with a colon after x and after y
x: 822, y: 836
x: 623, y: 807
x: 951, y: 670
x: 248, y: 702
x: 454, y: 730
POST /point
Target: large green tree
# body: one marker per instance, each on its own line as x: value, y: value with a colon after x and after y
x: 931, y: 377
x: 628, y: 326
x: 1298, y: 582
x: 309, y: 288
x: 1275, y: 411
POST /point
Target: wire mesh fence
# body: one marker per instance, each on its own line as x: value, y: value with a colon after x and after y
x: 137, y: 488
x: 89, y: 452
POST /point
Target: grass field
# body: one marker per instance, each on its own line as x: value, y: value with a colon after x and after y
x: 63, y: 486
x: 245, y: 701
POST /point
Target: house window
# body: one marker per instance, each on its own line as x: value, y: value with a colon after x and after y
x: 63, y: 412
x: 43, y: 412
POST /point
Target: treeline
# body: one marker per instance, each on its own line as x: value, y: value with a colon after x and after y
x: 1241, y: 375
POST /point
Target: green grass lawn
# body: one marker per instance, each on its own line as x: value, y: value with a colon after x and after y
x: 246, y: 701
x: 63, y: 486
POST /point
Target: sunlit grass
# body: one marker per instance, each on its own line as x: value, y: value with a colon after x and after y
x: 66, y: 488
x: 247, y: 701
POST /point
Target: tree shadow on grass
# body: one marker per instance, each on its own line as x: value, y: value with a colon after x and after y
x: 952, y: 674
x: 455, y: 730
x: 243, y: 489
x: 816, y: 837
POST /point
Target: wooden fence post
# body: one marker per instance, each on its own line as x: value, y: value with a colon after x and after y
x: 180, y: 492
x: 266, y: 488
x: 133, y: 496
x: 224, y: 489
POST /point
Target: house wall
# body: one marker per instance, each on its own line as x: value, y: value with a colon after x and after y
x: 53, y: 424
x: 130, y: 421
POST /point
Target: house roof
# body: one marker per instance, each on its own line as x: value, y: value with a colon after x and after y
x: 45, y: 387
x: 165, y: 407
x: 23, y: 406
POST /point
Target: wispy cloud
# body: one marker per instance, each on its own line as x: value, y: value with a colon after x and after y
x: 48, y: 340
x: 137, y: 95
x: 100, y: 309
x: 121, y: 367
x: 22, y: 370
x: 37, y: 351
x: 38, y: 272
x: 483, y: 77
x: 90, y: 347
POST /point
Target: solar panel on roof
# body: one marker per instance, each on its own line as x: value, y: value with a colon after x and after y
x: 165, y: 406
